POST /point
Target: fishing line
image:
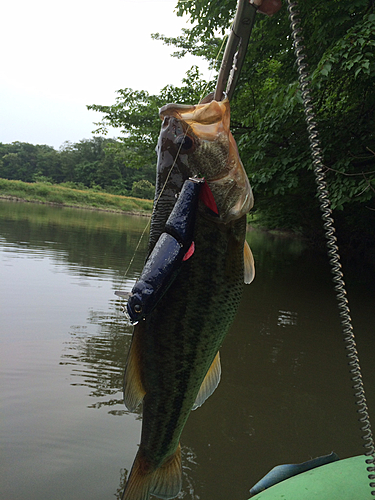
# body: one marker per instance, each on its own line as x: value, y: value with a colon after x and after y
x: 174, y: 162
x: 135, y: 251
x: 153, y: 210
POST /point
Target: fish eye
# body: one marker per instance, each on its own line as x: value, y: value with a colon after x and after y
x: 188, y: 143
x: 185, y: 142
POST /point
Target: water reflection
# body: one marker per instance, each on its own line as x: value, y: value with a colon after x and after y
x: 96, y: 363
x: 91, y: 242
x: 287, y: 318
x: 285, y: 393
x: 189, y: 467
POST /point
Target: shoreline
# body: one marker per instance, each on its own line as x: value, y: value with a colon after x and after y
x: 17, y: 199
x: 249, y: 226
x: 63, y: 196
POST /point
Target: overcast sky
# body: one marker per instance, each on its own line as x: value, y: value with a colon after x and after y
x: 57, y: 57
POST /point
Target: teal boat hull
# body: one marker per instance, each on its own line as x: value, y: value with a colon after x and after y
x: 342, y: 480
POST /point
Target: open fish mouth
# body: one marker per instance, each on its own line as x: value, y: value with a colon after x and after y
x: 204, y: 136
x: 206, y: 121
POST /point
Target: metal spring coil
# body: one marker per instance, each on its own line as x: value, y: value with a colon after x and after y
x: 334, y: 258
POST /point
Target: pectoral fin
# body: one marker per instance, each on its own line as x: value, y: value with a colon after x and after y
x: 249, y: 266
x: 133, y: 387
x: 210, y: 382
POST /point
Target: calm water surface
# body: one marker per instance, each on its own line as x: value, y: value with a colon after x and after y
x: 285, y: 394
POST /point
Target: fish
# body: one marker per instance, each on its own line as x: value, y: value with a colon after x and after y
x: 173, y: 364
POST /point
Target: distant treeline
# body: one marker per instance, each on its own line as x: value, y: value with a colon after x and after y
x: 97, y: 163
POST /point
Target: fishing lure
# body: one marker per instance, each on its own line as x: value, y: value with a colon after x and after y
x: 174, y: 246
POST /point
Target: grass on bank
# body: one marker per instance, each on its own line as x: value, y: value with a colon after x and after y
x: 64, y: 196
x: 58, y: 195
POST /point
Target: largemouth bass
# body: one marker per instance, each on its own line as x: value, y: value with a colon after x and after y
x: 173, y: 363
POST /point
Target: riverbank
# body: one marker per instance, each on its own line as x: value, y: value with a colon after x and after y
x: 56, y: 195
x: 61, y: 196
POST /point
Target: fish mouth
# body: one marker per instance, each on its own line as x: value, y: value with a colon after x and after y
x: 206, y: 120
x: 208, y: 124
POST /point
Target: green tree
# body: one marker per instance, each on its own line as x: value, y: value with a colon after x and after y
x: 98, y: 163
x: 143, y: 189
x: 136, y: 114
x: 267, y: 116
x: 23, y: 161
x: 48, y: 164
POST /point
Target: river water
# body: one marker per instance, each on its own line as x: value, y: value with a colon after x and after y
x: 285, y: 394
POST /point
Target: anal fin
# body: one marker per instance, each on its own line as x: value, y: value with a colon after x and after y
x: 133, y: 387
x: 249, y: 265
x: 210, y: 382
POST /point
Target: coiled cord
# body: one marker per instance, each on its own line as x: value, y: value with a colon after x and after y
x: 334, y: 257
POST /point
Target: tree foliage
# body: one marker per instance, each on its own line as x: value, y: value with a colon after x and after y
x: 267, y: 115
x: 96, y: 163
x: 143, y: 189
x: 136, y: 114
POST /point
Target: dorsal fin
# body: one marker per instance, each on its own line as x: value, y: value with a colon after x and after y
x: 249, y: 266
x: 210, y: 382
x: 133, y: 387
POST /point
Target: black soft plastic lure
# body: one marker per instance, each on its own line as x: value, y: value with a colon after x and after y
x: 174, y: 246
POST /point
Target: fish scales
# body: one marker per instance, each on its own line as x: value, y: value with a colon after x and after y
x: 173, y: 364
x: 188, y: 339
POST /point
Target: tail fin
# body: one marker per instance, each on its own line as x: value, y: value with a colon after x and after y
x: 164, y: 482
